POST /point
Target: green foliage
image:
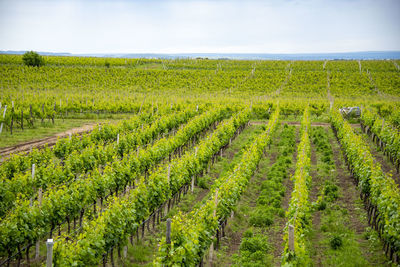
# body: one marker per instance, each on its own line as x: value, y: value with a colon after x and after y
x: 330, y: 191
x: 253, y: 251
x: 374, y: 183
x: 193, y: 233
x: 203, y: 181
x: 299, y: 211
x: 336, y: 242
x: 33, y: 59
x: 261, y: 218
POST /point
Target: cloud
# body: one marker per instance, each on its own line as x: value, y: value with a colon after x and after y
x: 81, y: 26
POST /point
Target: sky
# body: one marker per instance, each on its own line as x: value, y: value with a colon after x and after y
x: 200, y: 26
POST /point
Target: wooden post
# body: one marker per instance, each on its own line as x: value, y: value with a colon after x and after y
x: 169, y: 173
x: 42, y: 112
x: 49, y: 245
x: 12, y: 120
x: 30, y: 111
x: 125, y: 251
x: 210, y: 258
x: 168, y: 237
x: 291, y: 237
x: 37, y: 246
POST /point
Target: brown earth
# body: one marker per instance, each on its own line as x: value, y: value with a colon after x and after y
x: 39, y: 143
x: 276, y: 237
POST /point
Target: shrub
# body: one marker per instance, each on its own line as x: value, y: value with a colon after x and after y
x: 33, y: 59
x: 336, y: 242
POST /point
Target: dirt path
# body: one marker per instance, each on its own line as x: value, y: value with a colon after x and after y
x: 315, y: 189
x: 348, y: 200
x: 239, y: 223
x: 276, y: 236
x: 39, y: 143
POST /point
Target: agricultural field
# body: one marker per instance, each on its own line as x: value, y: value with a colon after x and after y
x: 194, y: 162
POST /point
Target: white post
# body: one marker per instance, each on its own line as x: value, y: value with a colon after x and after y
x: 4, y: 112
x: 70, y: 136
x: 216, y: 202
x: 4, y: 115
x: 117, y: 139
x: 125, y: 251
x: 33, y: 171
x: 49, y: 260
x: 197, y: 108
x: 291, y: 237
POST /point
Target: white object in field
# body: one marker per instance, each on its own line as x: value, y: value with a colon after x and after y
x: 49, y: 245
x: 353, y: 111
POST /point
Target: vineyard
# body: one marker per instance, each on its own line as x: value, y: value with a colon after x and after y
x: 204, y: 163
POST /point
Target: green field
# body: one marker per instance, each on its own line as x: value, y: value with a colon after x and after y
x: 251, y: 160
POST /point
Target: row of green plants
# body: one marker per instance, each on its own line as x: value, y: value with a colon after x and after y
x: 24, y: 185
x: 384, y: 133
x: 192, y: 233
x: 100, y: 135
x: 27, y: 223
x: 254, y: 246
x: 272, y: 189
x: 124, y: 215
x: 299, y: 211
x: 378, y: 190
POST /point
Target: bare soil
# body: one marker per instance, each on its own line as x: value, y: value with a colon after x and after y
x: 49, y: 141
x: 348, y: 200
x: 316, y: 218
x: 276, y: 236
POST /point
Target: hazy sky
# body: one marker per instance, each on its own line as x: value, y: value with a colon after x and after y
x: 184, y: 26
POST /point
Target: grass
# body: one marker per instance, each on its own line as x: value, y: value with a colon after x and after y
x: 335, y: 240
x: 46, y: 129
x: 247, y: 242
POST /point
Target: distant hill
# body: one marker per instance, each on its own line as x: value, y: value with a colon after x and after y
x: 307, y: 56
